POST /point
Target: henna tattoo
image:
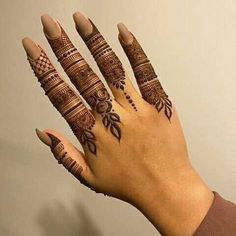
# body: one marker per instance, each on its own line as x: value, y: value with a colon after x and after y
x: 60, y: 154
x: 104, y: 107
x: 65, y: 100
x: 148, y: 83
x: 87, y: 82
x: 58, y: 150
x: 109, y: 64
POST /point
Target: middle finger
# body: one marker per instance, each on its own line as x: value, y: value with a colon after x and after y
x: 82, y: 76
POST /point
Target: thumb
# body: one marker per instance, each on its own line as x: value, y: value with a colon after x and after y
x: 67, y: 155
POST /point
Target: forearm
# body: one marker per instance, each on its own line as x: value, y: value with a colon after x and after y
x: 177, y: 204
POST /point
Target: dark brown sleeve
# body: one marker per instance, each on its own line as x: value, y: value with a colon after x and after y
x: 220, y: 220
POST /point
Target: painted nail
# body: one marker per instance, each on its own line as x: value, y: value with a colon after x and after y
x: 54, y: 140
x: 83, y: 25
x: 44, y: 137
x: 50, y: 26
x: 32, y: 50
x: 125, y: 34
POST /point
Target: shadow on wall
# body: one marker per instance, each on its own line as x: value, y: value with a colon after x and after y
x: 60, y: 221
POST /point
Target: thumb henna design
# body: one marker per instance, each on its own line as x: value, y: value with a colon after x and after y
x: 65, y: 159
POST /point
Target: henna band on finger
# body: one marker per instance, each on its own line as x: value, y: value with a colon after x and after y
x: 65, y: 100
x: 109, y: 64
x: 86, y: 81
x: 150, y: 86
x: 59, y: 152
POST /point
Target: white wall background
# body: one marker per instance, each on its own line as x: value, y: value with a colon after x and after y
x: 192, y: 45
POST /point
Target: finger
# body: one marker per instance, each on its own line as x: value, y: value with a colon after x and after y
x: 146, y: 77
x: 107, y: 61
x: 67, y: 155
x: 63, y: 98
x: 82, y: 76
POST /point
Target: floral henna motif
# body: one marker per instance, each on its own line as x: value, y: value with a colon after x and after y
x: 109, y: 64
x: 101, y: 100
x: 63, y: 158
x: 88, y: 84
x: 149, y: 85
x: 155, y: 95
x: 65, y: 100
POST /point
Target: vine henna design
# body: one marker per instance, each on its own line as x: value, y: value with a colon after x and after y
x: 102, y: 102
x: 109, y: 64
x: 150, y: 86
x: 86, y: 81
x: 58, y: 150
x: 65, y: 100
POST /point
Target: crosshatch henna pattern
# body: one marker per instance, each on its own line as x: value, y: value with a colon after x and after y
x: 86, y: 81
x: 58, y: 150
x: 109, y: 64
x: 65, y: 100
x: 149, y: 85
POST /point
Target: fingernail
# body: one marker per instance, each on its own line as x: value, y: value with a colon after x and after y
x: 44, y: 137
x: 54, y: 140
x: 31, y: 48
x: 125, y: 34
x: 50, y: 26
x: 83, y: 25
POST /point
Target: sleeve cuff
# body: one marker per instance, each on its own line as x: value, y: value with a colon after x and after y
x: 220, y: 219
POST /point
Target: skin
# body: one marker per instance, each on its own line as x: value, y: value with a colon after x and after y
x: 149, y: 167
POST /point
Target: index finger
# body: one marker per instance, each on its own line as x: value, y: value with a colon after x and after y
x: 62, y: 96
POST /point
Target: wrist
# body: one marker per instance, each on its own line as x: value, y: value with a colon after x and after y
x: 175, y: 203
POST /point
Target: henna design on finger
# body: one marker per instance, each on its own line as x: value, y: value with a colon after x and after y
x: 109, y: 64
x: 150, y: 86
x: 59, y: 152
x: 109, y: 117
x: 86, y: 81
x: 65, y: 100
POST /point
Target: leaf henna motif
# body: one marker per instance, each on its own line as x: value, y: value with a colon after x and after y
x: 102, y: 102
x: 85, y: 136
x: 154, y: 94
x: 150, y: 86
x: 115, y: 130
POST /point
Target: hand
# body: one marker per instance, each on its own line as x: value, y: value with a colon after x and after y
x: 134, y: 147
